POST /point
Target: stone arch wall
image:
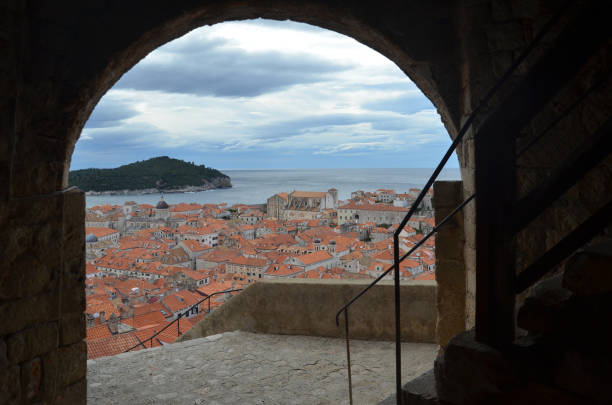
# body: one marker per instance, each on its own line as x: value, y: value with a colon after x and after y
x: 62, y: 58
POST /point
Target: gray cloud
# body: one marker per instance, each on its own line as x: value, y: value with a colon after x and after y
x: 400, y: 129
x: 389, y: 122
x: 313, y: 123
x: 210, y: 67
x: 127, y: 136
x: 406, y: 104
x: 110, y: 113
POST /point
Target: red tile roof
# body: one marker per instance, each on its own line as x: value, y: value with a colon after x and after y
x: 97, y: 332
x: 111, y: 345
x: 145, y: 321
x: 99, y: 231
x: 314, y: 257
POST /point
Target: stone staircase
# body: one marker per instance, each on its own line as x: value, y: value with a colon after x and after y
x: 568, y: 318
x: 565, y: 357
x: 420, y: 391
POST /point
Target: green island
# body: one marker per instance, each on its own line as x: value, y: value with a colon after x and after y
x: 157, y: 174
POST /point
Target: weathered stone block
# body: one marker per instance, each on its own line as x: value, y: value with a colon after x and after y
x: 589, y: 273
x: 72, y: 328
x: 421, y: 390
x: 51, y: 368
x: 73, y: 365
x: 73, y: 286
x: 544, y: 313
x: 470, y: 286
x: 33, y: 222
x: 450, y: 245
x: 469, y: 224
x: 32, y: 342
x: 469, y: 372
x: 502, y: 60
x: 450, y: 276
x: 4, y: 363
x: 534, y: 393
x: 19, y: 314
x: 506, y: 37
x: 447, y: 193
x: 74, y: 394
x: 62, y: 368
x: 73, y: 220
x: 31, y: 379
x: 501, y: 10
x: 10, y: 389
x: 33, y: 276
x: 450, y: 268
x: 29, y: 177
x: 587, y: 375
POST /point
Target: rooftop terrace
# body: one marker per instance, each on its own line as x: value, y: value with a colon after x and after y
x: 248, y: 368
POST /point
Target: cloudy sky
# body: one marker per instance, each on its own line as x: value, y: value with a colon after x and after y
x: 264, y: 95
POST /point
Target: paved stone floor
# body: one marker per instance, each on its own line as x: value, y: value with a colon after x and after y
x: 246, y: 368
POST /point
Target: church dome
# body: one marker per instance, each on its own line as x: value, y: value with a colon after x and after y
x: 91, y: 238
x: 161, y: 205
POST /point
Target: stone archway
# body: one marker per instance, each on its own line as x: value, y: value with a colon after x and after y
x: 65, y: 58
x: 60, y: 57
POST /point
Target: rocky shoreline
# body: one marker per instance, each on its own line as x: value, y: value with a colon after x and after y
x: 219, y: 182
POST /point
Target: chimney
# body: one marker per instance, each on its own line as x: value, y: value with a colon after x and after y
x: 91, y: 321
x: 113, y: 324
x: 102, y: 317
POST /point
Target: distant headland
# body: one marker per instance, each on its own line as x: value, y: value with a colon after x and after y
x: 159, y: 174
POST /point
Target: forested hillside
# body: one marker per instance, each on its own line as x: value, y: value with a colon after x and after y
x: 163, y: 173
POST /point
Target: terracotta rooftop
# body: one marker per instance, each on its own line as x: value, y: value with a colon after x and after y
x: 99, y: 231
x: 98, y: 332
x: 314, y: 257
x: 111, y: 345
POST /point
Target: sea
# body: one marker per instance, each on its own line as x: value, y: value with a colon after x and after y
x: 256, y: 186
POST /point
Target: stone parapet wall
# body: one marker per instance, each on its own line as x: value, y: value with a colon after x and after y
x: 308, y: 307
x: 42, y: 299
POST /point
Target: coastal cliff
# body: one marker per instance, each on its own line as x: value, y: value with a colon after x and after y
x: 160, y: 174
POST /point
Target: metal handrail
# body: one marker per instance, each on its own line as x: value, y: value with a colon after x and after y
x: 460, y: 135
x: 356, y: 297
x: 177, y: 320
x: 465, y: 127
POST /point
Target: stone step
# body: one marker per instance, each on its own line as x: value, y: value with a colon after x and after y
x: 589, y: 272
x: 545, y: 311
x: 568, y: 319
x: 420, y: 391
x: 565, y: 301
